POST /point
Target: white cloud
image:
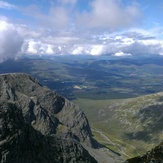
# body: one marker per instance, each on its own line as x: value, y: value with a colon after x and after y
x: 127, y: 41
x: 18, y: 39
x: 97, y: 50
x: 109, y: 14
x: 88, y: 49
x: 6, y: 5
x: 78, y: 50
x: 32, y: 47
x: 10, y: 41
x: 144, y: 48
x: 122, y: 44
x: 3, y: 25
x: 38, y: 48
x: 121, y: 54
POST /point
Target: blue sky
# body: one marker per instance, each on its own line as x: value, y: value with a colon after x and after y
x: 90, y: 27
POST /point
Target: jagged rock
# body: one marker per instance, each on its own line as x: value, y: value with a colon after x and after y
x: 44, y: 109
x: 153, y: 156
x: 38, y: 125
x: 21, y: 143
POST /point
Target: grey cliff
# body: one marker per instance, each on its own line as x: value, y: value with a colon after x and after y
x: 38, y: 125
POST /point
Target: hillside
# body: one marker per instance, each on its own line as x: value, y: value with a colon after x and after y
x: 127, y: 126
x: 154, y: 155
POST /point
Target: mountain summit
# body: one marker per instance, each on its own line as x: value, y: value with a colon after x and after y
x: 38, y: 125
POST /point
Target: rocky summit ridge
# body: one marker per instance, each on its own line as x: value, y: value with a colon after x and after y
x: 38, y: 125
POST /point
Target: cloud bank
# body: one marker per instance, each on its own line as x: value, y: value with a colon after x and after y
x: 10, y: 42
x: 109, y: 14
x: 122, y: 44
x: 63, y: 30
x: 18, y: 40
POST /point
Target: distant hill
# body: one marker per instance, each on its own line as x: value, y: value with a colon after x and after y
x: 93, y: 77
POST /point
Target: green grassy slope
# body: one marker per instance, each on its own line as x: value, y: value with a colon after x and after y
x: 130, y: 126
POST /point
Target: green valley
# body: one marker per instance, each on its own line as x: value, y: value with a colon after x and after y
x: 127, y: 126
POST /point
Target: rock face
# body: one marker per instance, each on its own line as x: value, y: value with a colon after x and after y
x: 153, y: 156
x: 38, y: 125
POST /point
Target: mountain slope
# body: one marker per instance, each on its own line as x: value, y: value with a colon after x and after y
x: 44, y: 109
x: 154, y: 155
x: 128, y: 126
x: 21, y: 143
x: 38, y: 125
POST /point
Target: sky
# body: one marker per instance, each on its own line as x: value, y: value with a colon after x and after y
x: 80, y: 27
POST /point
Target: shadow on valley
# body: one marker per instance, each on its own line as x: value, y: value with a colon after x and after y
x: 140, y: 135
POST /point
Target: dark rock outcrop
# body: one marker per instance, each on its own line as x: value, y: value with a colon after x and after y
x: 153, y: 156
x: 38, y: 125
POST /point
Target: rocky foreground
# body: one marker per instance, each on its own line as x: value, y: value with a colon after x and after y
x: 153, y: 156
x: 38, y: 125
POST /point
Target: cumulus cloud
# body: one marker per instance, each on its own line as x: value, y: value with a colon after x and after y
x: 10, y: 41
x: 109, y: 14
x: 122, y: 44
x: 88, y: 49
x: 145, y: 47
x: 17, y: 40
x: 121, y: 54
x: 38, y: 48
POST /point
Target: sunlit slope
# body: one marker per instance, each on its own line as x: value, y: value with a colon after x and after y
x: 130, y: 126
